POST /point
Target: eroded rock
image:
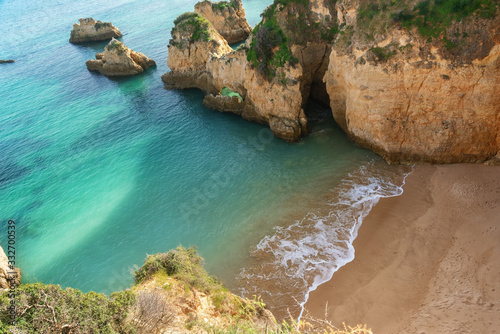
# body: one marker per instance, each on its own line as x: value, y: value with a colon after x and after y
x: 88, y: 30
x: 227, y: 17
x: 119, y: 60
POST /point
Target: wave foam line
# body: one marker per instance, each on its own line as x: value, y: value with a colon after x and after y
x: 295, y: 260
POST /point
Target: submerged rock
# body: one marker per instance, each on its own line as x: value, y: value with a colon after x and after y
x: 6, y: 61
x: 119, y: 60
x: 227, y: 17
x: 91, y: 31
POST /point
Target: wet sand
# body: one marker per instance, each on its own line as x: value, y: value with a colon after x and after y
x: 427, y: 261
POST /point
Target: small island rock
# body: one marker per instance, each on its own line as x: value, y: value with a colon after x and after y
x: 91, y: 31
x: 6, y: 61
x: 119, y: 60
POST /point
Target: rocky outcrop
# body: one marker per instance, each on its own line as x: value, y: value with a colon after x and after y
x: 194, y: 43
x: 8, y: 274
x: 413, y: 98
x: 8, y: 61
x: 409, y: 89
x: 227, y: 17
x: 88, y: 30
x: 415, y: 111
x: 119, y: 60
x: 224, y: 103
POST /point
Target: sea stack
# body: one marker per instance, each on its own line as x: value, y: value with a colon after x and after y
x: 91, y: 31
x: 227, y: 17
x: 195, y: 42
x: 117, y: 60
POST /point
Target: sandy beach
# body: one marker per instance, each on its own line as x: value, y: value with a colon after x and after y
x: 427, y: 261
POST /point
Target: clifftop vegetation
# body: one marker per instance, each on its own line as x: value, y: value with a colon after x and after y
x: 193, y: 24
x: 172, y: 292
x: 285, y: 23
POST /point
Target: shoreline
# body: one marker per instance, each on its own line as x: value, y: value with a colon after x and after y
x: 426, y: 261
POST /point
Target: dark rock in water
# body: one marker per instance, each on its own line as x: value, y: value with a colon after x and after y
x: 6, y: 61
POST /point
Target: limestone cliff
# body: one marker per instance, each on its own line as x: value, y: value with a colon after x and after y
x: 424, y: 89
x: 415, y: 81
x: 88, y: 30
x: 194, y: 43
x: 119, y: 60
x: 227, y: 17
x: 8, y: 274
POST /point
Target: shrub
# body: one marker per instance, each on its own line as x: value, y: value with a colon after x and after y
x: 183, y: 264
x: 116, y: 45
x: 46, y: 308
x: 382, y: 54
x: 194, y: 24
x: 221, y: 5
x: 151, y: 311
x: 269, y: 47
x: 101, y: 25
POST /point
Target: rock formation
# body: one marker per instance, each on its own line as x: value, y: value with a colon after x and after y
x: 6, y: 273
x: 88, y: 30
x: 414, y: 85
x: 6, y: 61
x: 194, y: 43
x: 119, y: 60
x: 227, y: 17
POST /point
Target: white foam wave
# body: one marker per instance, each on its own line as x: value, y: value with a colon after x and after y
x: 296, y: 259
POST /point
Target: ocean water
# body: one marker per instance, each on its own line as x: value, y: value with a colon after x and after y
x: 99, y: 172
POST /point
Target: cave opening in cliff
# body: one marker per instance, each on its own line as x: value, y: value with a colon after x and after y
x: 319, y: 116
x: 317, y: 106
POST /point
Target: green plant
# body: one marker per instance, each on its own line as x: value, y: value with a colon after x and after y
x: 183, y: 264
x: 222, y: 5
x: 383, y: 54
x: 116, y: 45
x: 193, y: 24
x: 269, y: 47
x: 101, y: 25
x: 45, y: 308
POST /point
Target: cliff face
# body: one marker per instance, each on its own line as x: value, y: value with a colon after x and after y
x: 416, y: 111
x: 119, y: 60
x: 88, y: 30
x: 414, y: 81
x: 6, y: 273
x: 414, y: 95
x: 194, y: 43
x: 227, y: 17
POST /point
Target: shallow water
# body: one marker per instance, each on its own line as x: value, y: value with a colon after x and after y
x: 97, y: 173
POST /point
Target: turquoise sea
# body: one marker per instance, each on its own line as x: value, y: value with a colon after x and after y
x: 97, y: 172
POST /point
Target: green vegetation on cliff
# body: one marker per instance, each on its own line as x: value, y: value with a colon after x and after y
x: 221, y: 5
x: 194, y: 24
x: 167, y: 296
x: 286, y: 23
x: 50, y: 309
x: 269, y: 48
x: 185, y: 265
x: 116, y: 45
x: 430, y: 17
